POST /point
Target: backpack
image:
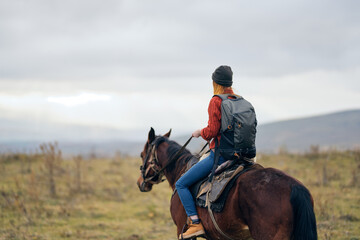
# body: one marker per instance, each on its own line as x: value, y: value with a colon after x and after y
x: 238, y: 128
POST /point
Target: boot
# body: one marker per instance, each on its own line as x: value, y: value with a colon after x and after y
x: 194, y: 230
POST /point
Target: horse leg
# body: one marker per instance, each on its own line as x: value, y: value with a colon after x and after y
x: 265, y: 204
x: 178, y: 215
x: 282, y: 234
x: 272, y: 221
x: 280, y: 218
x: 271, y: 231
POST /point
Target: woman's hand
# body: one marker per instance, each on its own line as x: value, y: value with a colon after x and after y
x: 197, y: 133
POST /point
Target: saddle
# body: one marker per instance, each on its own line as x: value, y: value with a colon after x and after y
x: 224, y: 178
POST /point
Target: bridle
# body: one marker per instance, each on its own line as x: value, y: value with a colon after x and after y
x: 154, y: 162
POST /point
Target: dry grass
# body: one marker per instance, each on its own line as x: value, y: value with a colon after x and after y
x: 99, y: 199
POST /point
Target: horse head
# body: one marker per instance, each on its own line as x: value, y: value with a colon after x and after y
x: 150, y: 170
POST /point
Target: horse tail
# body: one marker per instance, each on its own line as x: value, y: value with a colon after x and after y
x: 304, y: 216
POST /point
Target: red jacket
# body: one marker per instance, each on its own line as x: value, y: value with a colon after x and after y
x: 213, y: 128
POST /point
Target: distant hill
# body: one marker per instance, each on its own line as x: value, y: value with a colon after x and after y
x: 25, y: 135
x: 340, y: 130
x: 85, y: 148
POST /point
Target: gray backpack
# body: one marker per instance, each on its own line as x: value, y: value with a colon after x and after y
x: 238, y: 128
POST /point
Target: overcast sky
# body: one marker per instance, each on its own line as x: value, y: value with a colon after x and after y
x: 134, y: 64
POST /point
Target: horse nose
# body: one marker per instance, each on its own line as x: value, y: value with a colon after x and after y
x: 141, y: 184
x: 142, y: 187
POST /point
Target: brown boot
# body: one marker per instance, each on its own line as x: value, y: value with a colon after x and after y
x: 194, y: 230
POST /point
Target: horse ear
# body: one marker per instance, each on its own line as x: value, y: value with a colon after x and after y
x: 151, y: 136
x: 168, y: 133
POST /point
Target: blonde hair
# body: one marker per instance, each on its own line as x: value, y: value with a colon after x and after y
x: 218, y: 89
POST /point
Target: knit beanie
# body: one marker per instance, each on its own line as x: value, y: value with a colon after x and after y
x: 223, y: 76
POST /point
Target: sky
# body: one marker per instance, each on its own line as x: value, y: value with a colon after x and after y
x: 133, y: 64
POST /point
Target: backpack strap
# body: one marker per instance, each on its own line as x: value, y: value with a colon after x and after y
x: 216, y: 159
x: 226, y: 96
x: 222, y: 96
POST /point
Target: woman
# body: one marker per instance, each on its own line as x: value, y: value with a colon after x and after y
x: 222, y: 82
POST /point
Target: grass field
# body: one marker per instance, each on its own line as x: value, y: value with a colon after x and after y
x: 99, y: 199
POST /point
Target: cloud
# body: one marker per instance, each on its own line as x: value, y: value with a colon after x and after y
x: 306, y: 94
x: 81, y: 99
x: 132, y: 111
x: 155, y: 58
x: 134, y: 39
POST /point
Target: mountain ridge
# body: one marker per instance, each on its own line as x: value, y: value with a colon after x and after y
x: 338, y: 129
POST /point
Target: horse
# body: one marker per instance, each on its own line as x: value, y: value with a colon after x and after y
x: 265, y: 202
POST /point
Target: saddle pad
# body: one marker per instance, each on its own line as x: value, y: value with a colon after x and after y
x: 219, y: 184
x: 221, y: 187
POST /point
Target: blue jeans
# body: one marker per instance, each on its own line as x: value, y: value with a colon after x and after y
x: 197, y: 172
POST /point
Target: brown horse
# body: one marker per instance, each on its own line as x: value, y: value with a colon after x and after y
x: 266, y: 202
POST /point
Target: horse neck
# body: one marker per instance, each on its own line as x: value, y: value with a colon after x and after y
x: 174, y: 171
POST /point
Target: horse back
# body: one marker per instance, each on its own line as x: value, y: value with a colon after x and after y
x: 263, y: 197
x: 258, y: 202
x: 262, y: 190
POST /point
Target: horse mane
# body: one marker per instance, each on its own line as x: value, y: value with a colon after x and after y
x: 171, y: 151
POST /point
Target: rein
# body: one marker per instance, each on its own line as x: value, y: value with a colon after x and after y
x: 154, y: 164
